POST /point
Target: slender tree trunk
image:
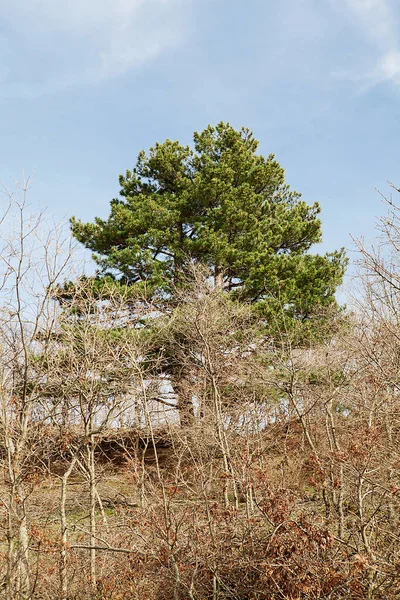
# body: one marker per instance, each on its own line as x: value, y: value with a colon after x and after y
x: 185, y: 404
x: 224, y: 447
x: 23, y: 547
x: 92, y: 505
x: 17, y: 577
x: 218, y: 277
x: 64, y: 533
x: 10, y: 574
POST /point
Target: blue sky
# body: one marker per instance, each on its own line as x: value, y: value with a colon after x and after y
x: 86, y: 84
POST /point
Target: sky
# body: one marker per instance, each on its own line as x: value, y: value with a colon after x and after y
x: 85, y: 85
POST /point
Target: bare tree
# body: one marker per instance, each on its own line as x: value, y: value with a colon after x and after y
x: 32, y: 259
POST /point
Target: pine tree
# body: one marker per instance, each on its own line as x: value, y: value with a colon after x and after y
x: 223, y: 205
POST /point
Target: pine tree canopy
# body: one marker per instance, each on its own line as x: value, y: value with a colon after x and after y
x: 223, y: 205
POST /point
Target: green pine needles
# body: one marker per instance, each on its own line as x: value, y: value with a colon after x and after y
x: 222, y: 205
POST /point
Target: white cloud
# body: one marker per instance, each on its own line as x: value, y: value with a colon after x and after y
x: 377, y: 21
x: 50, y: 46
x: 390, y: 65
x: 376, y: 17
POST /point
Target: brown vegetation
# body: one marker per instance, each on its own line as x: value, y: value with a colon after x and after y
x: 278, y: 479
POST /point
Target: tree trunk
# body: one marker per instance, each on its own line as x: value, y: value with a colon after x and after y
x: 64, y: 533
x: 185, y: 404
x: 92, y: 504
x: 21, y: 551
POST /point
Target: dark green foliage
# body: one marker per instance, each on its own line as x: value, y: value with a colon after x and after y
x: 219, y: 204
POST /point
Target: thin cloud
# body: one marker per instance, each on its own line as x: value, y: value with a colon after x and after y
x: 51, y: 46
x: 377, y: 21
